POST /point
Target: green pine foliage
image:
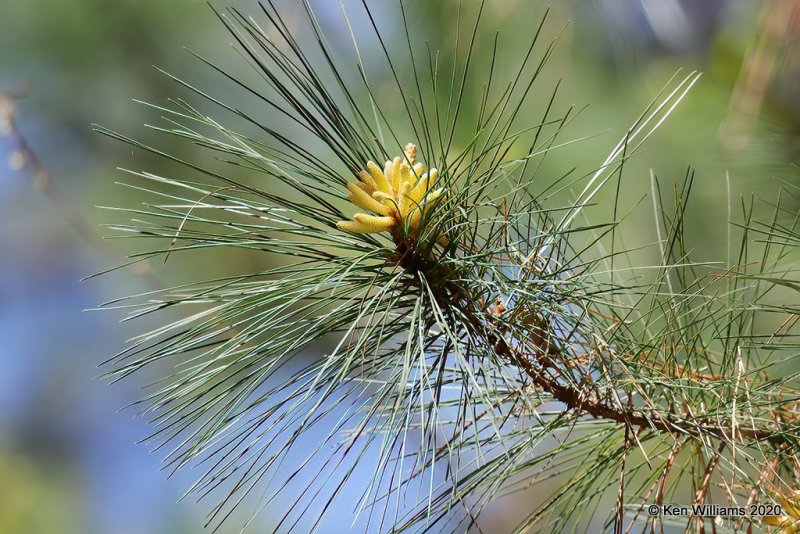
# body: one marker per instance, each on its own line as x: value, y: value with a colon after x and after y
x: 510, y: 342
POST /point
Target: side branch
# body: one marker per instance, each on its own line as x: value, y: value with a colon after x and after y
x: 535, y: 365
x: 581, y: 402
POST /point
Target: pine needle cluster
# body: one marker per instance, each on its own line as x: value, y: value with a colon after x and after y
x: 472, y: 338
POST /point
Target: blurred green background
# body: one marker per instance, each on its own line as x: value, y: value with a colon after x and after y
x: 68, y: 460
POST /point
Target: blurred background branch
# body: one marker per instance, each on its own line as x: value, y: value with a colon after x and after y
x: 777, y: 37
x: 24, y: 158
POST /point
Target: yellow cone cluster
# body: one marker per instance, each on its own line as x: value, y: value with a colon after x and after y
x: 396, y: 195
x: 789, y: 522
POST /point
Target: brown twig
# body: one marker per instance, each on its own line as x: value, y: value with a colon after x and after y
x: 668, y: 423
x: 621, y: 492
x: 662, y: 479
x: 767, y: 472
x: 700, y: 494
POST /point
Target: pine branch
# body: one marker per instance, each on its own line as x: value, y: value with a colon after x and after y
x: 482, y: 337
